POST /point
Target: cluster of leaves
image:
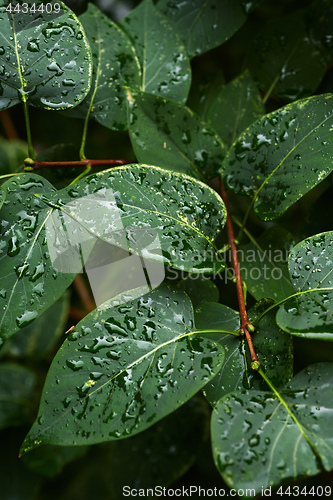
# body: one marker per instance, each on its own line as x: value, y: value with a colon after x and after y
x: 132, y: 367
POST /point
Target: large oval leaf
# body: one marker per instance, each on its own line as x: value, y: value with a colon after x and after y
x: 164, y: 216
x: 284, y: 59
x: 45, y: 57
x: 283, y: 155
x: 205, y: 25
x: 166, y: 69
x: 260, y: 440
x: 310, y: 313
x: 28, y: 282
x: 114, y: 65
x: 122, y: 369
x: 171, y: 136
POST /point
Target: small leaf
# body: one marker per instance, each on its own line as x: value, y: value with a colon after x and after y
x: 259, y: 442
x: 163, y: 216
x: 166, y: 69
x: 205, y: 25
x: 310, y: 312
x: 124, y: 368
x: 16, y: 390
x: 264, y: 266
x: 284, y: 59
x: 171, y: 136
x: 283, y: 155
x: 45, y: 58
x: 235, y: 107
x: 115, y: 65
x: 28, y: 282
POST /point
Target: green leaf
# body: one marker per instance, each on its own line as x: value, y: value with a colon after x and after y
x: 16, y: 390
x: 273, y: 347
x: 12, y: 154
x: 204, y: 92
x: 176, y: 217
x: 2, y: 196
x: 261, y: 439
x: 124, y: 368
x: 284, y: 59
x: 309, y: 313
x: 114, y: 65
x: 45, y: 58
x: 283, y: 155
x: 264, y: 266
x: 166, y: 69
x: 205, y: 25
x: 42, y: 335
x: 235, y: 107
x: 28, y: 282
x: 199, y: 289
x: 171, y: 136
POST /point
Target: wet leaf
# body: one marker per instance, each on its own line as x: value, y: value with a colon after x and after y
x: 45, y: 58
x: 114, y: 65
x: 164, y: 216
x: 2, y: 196
x: 204, y: 26
x: 171, y: 136
x: 274, y: 349
x: 42, y: 335
x: 235, y: 107
x: 309, y: 314
x: 264, y: 264
x: 166, y: 69
x: 16, y: 390
x: 283, y: 155
x: 259, y: 442
x: 28, y: 282
x: 284, y: 59
x: 199, y: 289
x: 204, y: 93
x: 123, y: 369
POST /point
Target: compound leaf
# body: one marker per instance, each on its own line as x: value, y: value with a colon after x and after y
x: 283, y: 155
x: 123, y: 369
x: 45, y: 57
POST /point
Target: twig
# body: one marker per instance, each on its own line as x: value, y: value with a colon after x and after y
x: 31, y: 165
x: 84, y: 294
x: 245, y: 324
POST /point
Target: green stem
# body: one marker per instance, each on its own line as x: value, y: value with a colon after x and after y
x: 84, y: 136
x: 270, y: 90
x: 9, y: 175
x: 85, y: 172
x: 230, y: 332
x: 31, y: 151
x: 242, y: 225
x: 296, y: 294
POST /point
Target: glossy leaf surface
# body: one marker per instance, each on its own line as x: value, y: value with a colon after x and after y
x: 2, y: 197
x: 124, y: 368
x: 283, y: 155
x: 166, y: 69
x: 28, y: 282
x: 204, y: 26
x: 259, y: 442
x: 264, y: 264
x: 114, y: 65
x: 171, y: 136
x: 284, y: 59
x: 45, y: 58
x: 174, y: 216
x: 272, y: 345
x: 235, y: 107
x: 309, y: 314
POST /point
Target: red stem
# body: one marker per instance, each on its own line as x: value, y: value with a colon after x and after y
x: 240, y: 295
